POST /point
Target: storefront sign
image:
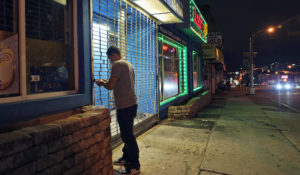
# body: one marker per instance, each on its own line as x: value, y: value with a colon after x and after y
x: 208, y: 53
x: 215, y: 38
x: 199, y: 25
x: 176, y: 5
x: 198, y: 20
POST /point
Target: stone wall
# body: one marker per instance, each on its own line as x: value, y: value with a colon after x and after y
x: 191, y: 108
x: 79, y: 144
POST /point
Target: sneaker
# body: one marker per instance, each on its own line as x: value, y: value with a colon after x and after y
x: 131, y: 172
x: 120, y: 162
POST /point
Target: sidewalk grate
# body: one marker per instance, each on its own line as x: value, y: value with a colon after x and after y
x: 197, y: 124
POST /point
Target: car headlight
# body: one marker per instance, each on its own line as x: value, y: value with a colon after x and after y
x: 287, y: 86
x: 278, y: 86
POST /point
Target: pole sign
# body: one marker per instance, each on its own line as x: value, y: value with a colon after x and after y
x: 215, y: 38
x: 198, y: 23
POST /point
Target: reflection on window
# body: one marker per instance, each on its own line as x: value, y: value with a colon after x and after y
x: 169, y: 78
x: 196, y: 70
x: 49, y: 46
x: 9, y: 52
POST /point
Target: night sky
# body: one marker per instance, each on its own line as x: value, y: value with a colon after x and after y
x: 237, y: 18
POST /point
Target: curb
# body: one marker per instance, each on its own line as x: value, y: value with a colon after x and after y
x: 283, y: 104
x: 291, y: 108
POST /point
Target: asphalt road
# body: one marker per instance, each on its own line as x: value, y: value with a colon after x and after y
x: 289, y: 98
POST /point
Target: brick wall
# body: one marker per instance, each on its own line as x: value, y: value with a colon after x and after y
x: 79, y: 144
x: 191, y: 108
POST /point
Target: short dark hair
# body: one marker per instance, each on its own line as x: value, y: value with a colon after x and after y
x: 113, y: 49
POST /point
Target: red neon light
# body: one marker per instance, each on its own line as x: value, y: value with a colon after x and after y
x: 198, y: 20
x: 165, y: 48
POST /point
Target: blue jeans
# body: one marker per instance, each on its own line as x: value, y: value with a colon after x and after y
x: 130, y: 150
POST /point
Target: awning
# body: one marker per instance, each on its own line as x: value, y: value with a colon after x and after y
x: 163, y: 10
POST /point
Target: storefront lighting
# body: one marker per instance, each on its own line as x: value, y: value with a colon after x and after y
x: 172, y: 50
x: 198, y: 88
x: 199, y: 35
x: 165, y: 48
x: 182, y: 74
x: 62, y: 2
x: 198, y: 23
x: 159, y: 10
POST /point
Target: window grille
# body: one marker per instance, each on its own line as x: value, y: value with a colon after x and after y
x: 118, y: 23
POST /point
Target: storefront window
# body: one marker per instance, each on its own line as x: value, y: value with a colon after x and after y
x: 9, y: 52
x: 170, y: 65
x: 172, y: 69
x: 49, y: 46
x: 197, y: 79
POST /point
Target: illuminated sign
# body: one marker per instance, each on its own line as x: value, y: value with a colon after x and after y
x: 177, y: 6
x: 199, y: 25
x: 198, y: 20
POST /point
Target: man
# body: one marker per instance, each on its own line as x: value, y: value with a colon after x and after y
x: 121, y: 81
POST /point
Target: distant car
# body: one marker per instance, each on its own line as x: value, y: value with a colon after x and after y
x: 284, y: 85
x: 264, y: 83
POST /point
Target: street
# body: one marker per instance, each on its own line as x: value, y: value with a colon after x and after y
x: 290, y: 98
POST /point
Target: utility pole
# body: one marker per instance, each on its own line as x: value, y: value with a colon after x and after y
x: 251, y: 89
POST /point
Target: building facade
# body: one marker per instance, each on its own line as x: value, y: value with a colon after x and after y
x: 53, y: 49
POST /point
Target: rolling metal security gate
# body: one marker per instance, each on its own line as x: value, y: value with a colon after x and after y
x: 118, y: 23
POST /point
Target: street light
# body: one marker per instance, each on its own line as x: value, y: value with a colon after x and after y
x: 270, y: 29
x: 252, y: 35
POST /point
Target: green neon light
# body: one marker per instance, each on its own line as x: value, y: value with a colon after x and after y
x: 201, y: 85
x: 183, y: 79
x: 195, y: 31
x: 206, y: 92
x: 194, y: 27
x: 185, y: 71
x: 198, y: 88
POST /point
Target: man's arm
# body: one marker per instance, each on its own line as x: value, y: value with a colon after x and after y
x: 108, y: 84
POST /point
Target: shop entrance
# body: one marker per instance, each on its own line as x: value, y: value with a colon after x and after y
x: 118, y: 23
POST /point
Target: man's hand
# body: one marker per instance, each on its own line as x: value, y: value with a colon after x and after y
x: 108, y: 84
x: 101, y: 82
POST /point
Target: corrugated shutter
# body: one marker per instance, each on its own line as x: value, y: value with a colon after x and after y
x: 118, y: 23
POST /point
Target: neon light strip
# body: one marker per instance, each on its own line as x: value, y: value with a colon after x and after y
x: 205, y: 41
x: 182, y: 77
x: 201, y: 85
x: 198, y: 88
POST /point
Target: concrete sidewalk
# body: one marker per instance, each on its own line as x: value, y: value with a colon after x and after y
x: 236, y: 134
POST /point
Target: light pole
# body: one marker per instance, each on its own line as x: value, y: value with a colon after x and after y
x: 252, y: 35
